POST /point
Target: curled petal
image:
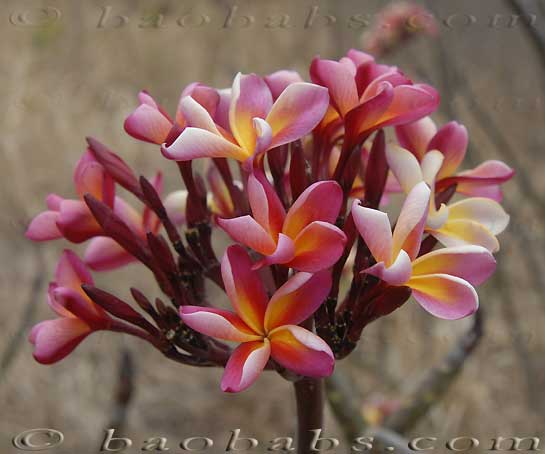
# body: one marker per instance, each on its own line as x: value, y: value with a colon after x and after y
x: 105, y: 254
x: 338, y: 78
x: 297, y: 299
x: 194, y: 143
x: 444, y: 296
x: 279, y: 80
x: 250, y: 98
x: 175, y: 203
x: 404, y: 166
x: 431, y: 163
x: 196, y: 115
x: 267, y: 208
x: 53, y: 340
x: 71, y: 272
x: 89, y: 176
x: 148, y: 124
x: 451, y: 140
x: 245, y: 365
x: 318, y: 247
x: 247, y: 231
x: 296, y: 112
x: 244, y: 287
x: 416, y: 136
x: 321, y: 201
x: 301, y: 351
x: 44, y: 227
x: 474, y: 264
x: 412, y: 219
x: 284, y: 253
x: 488, y: 172
x: 398, y: 273
x: 264, y: 134
x: 132, y: 218
x: 217, y: 323
x: 374, y: 227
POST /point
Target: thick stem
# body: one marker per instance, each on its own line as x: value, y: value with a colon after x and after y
x: 309, y: 395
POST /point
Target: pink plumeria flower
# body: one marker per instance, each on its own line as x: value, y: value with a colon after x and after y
x: 441, y: 281
x: 369, y: 96
x: 398, y: 21
x: 256, y: 123
x: 304, y: 238
x: 78, y: 317
x: 452, y: 141
x: 151, y: 123
x: 103, y: 253
x: 69, y: 218
x: 265, y: 328
x: 476, y: 220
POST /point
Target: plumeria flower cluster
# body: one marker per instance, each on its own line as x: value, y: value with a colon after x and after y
x: 298, y: 177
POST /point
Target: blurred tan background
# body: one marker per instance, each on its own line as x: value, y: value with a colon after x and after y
x: 71, y: 78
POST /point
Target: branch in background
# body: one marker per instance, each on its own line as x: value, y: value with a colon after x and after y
x: 537, y: 34
x: 123, y: 393
x: 26, y: 320
x: 433, y: 386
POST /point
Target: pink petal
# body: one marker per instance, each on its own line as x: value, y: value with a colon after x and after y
x: 53, y: 340
x: 194, y: 143
x: 76, y: 222
x: 132, y: 218
x: 321, y: 201
x: 462, y: 232
x: 398, y: 273
x: 339, y: 80
x: 297, y: 299
x: 444, y: 296
x: 245, y: 365
x: 374, y: 227
x: 244, y: 287
x: 412, y: 219
x: 217, y: 323
x: 197, y: 116
x: 247, y: 231
x: 207, y: 97
x: 296, y: 112
x: 359, y: 57
x: 284, y: 253
x: 264, y: 136
x: 279, y: 80
x: 301, y: 351
x: 148, y: 124
x: 451, y: 140
x: 267, y: 209
x: 90, y: 177
x: 44, y: 227
x: 488, y: 172
x: 250, y: 98
x: 72, y: 272
x: 53, y: 202
x: 404, y: 166
x: 482, y: 210
x: 175, y: 204
x: 104, y: 254
x: 416, y: 136
x: 318, y: 247
x: 489, y: 191
x: 81, y: 307
x: 474, y: 264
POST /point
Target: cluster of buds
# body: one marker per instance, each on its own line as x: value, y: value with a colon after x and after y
x: 299, y: 175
